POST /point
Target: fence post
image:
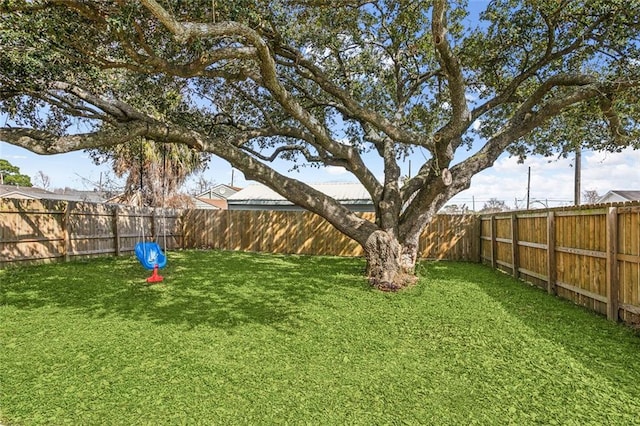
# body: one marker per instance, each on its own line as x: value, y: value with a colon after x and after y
x: 514, y: 245
x: 66, y: 231
x: 475, y: 239
x: 116, y: 229
x: 494, y: 244
x: 233, y: 223
x: 551, y: 253
x: 154, y: 235
x: 613, y: 297
x: 183, y: 227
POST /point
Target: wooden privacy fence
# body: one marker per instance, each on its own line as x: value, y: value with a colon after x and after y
x: 589, y: 255
x: 43, y: 230
x: 451, y: 237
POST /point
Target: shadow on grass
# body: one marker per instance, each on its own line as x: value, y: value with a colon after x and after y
x: 609, y: 350
x: 220, y: 289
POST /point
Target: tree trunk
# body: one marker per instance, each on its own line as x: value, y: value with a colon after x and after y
x: 390, y: 264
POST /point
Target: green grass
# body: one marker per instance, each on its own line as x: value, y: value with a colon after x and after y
x: 233, y: 338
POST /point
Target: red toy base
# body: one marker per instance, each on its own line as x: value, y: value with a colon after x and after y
x: 155, y: 278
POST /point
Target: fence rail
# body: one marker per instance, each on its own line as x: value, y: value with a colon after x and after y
x: 589, y: 255
x: 451, y: 237
x: 42, y: 230
x: 45, y: 230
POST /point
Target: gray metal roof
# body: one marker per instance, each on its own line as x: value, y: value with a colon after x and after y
x: 30, y: 191
x: 220, y: 191
x: 77, y: 195
x: 345, y: 193
x: 631, y: 195
x: 10, y: 191
x: 620, y: 195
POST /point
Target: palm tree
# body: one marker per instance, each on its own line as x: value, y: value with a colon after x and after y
x: 154, y: 172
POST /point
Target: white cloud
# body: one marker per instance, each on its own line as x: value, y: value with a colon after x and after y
x: 335, y: 170
x: 627, y: 157
x: 603, y: 172
x: 552, y: 180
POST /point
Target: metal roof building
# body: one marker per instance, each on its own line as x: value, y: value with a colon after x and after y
x: 260, y: 197
x: 23, y: 192
x: 615, y: 196
x: 216, y: 197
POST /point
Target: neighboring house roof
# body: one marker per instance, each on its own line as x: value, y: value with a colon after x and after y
x: 220, y: 191
x: 616, y: 196
x: 77, y: 195
x: 215, y: 197
x: 260, y: 197
x: 23, y: 192
x: 33, y: 193
x: 210, y: 203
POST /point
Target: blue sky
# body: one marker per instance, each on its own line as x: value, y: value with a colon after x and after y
x: 551, y: 178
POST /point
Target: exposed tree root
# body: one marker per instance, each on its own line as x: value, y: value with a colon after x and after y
x: 400, y: 282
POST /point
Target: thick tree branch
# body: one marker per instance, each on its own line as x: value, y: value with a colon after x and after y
x: 357, y: 111
x: 547, y: 58
x: 461, y: 117
x: 45, y: 143
x: 525, y: 120
x: 616, y: 129
x: 301, y: 194
x: 447, y: 139
x: 116, y: 109
x: 267, y: 65
x: 433, y: 193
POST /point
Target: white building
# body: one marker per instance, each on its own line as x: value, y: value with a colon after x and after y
x: 617, y: 196
x: 215, y: 198
x: 259, y: 197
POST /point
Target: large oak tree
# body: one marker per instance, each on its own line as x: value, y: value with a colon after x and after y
x: 324, y: 82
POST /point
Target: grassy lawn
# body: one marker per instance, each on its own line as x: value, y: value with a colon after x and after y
x: 233, y: 338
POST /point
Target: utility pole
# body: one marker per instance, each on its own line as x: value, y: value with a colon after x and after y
x: 576, y: 186
x: 528, y: 186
